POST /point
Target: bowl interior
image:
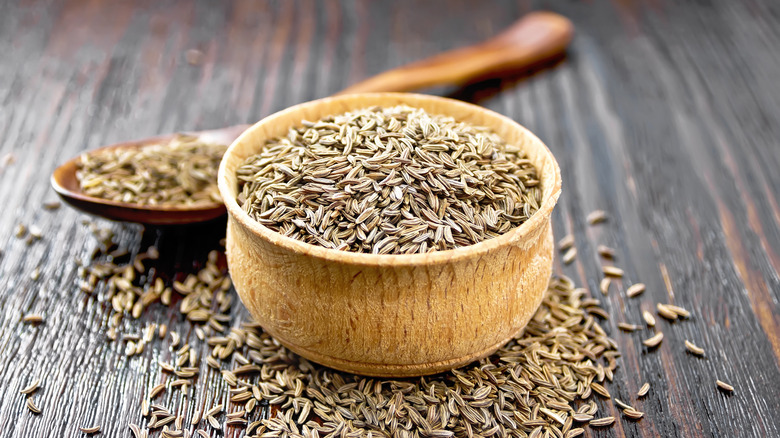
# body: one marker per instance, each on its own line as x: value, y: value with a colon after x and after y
x: 276, y: 125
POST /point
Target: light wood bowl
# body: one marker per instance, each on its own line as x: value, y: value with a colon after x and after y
x: 390, y: 315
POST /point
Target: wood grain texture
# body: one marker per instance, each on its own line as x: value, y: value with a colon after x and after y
x: 664, y: 115
x: 400, y: 315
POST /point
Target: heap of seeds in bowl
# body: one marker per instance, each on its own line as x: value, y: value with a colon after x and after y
x: 181, y: 172
x: 389, y: 181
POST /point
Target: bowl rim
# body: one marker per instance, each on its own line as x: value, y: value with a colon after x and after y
x: 537, y: 220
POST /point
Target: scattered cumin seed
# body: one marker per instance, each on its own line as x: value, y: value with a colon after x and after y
x: 569, y: 256
x: 9, y: 159
x: 175, y: 339
x: 552, y: 415
x: 156, y: 390
x: 666, y: 313
x: 622, y: 404
x: 581, y: 418
x: 724, y: 386
x: 196, y: 419
x: 572, y: 433
x: 681, y: 312
x: 236, y: 422
x: 215, y: 410
x: 163, y: 421
x: 36, y: 233
x: 612, y: 271
x: 213, y: 363
x: 649, y: 319
x: 596, y: 216
x: 32, y: 318
x: 633, y: 414
x: 693, y: 348
x: 32, y: 387
x: 20, y: 231
x: 203, y: 433
x: 605, y: 251
x: 654, y: 340
x: 626, y: 327
x: 31, y: 406
x: 135, y: 429
x: 213, y: 422
x: 643, y: 390
x: 598, y: 311
x: 566, y: 242
x: 252, y: 426
x: 194, y: 56
x: 635, y: 290
x: 51, y: 205
x: 90, y: 430
x: 604, y: 285
x: 250, y: 405
x: 600, y: 422
x: 600, y: 390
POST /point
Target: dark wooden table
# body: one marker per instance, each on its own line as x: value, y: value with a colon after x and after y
x: 664, y: 115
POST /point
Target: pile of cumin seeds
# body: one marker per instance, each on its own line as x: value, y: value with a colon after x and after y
x: 392, y: 180
x: 182, y: 172
x: 530, y: 387
x: 539, y: 384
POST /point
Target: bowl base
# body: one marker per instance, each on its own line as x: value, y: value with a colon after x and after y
x: 394, y: 370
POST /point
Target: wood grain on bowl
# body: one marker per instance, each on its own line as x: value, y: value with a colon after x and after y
x: 390, y: 315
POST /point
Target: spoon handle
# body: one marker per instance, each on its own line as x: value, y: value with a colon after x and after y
x: 535, y: 38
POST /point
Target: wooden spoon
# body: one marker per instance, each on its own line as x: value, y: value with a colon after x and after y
x: 537, y: 37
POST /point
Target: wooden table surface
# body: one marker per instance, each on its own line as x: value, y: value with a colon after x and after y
x: 664, y: 114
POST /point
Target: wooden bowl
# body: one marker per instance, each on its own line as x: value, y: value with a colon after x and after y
x: 390, y: 315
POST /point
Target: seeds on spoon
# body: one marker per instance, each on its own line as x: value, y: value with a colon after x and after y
x: 182, y: 172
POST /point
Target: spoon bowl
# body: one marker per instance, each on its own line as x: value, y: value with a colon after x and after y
x: 65, y: 183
